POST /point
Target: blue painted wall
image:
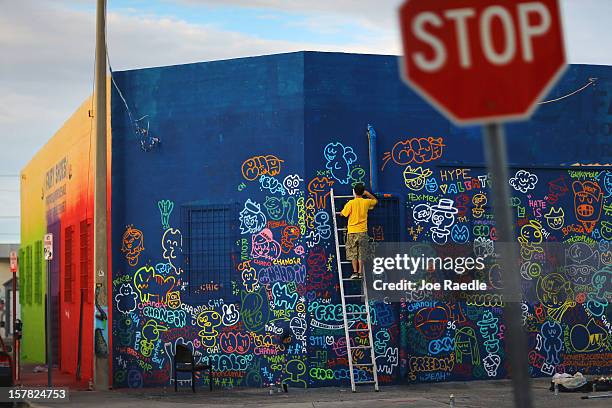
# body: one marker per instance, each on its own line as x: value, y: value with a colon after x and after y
x: 269, y: 136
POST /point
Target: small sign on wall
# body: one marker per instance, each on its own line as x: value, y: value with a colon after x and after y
x: 13, y: 261
x: 48, y: 249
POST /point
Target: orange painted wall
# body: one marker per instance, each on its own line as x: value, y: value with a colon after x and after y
x: 57, y: 185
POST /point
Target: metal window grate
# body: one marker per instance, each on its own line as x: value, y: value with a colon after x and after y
x: 28, y: 275
x: 210, y: 235
x: 383, y: 220
x: 85, y: 248
x: 68, y: 263
x: 38, y: 272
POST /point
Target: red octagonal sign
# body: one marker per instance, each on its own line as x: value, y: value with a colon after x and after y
x: 482, y: 60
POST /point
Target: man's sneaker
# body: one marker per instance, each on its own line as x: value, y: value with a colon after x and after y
x: 355, y: 275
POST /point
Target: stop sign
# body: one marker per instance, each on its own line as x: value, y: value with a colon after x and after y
x: 482, y: 60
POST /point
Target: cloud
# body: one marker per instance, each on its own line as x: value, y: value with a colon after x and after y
x: 47, y: 66
x: 47, y: 49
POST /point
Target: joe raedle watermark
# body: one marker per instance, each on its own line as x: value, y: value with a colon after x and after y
x: 399, y: 271
x: 409, y: 265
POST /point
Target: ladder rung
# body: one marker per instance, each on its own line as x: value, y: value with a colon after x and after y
x: 363, y: 365
x: 338, y: 212
x: 346, y: 262
x: 365, y: 382
x: 355, y: 313
x: 341, y: 246
x: 342, y: 229
x: 349, y: 279
x: 353, y: 296
x: 343, y: 196
x: 359, y: 330
x: 360, y: 347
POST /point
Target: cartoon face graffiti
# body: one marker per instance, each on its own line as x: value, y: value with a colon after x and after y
x: 172, y: 244
x: 319, y: 187
x: 523, y: 181
x: 431, y: 185
x: 174, y: 299
x: 431, y: 321
x: 264, y: 246
x: 582, y: 262
x: 274, y: 206
x: 553, y: 290
x: 555, y: 218
x: 339, y: 159
x: 606, y: 230
x: 292, y: 183
x: 414, y: 178
x: 149, y: 284
x: 230, y: 315
x: 443, y: 217
x: 298, y: 326
x: 208, y: 320
x: 150, y: 333
x: 132, y: 245
x: 479, y: 200
x: 126, y: 298
x: 251, y: 218
x: 290, y: 234
x: 357, y: 175
x: 491, y: 363
x: 249, y: 279
x: 607, y: 182
x: 531, y: 232
x: 254, y: 311
x: 588, y: 199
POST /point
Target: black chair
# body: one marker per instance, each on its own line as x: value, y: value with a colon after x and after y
x: 184, y: 363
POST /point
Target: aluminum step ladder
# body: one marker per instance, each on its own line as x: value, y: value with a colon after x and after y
x: 353, y: 317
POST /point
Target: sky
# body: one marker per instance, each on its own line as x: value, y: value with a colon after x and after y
x: 47, y: 52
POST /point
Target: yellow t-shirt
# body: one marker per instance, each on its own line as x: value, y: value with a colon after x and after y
x: 357, y: 212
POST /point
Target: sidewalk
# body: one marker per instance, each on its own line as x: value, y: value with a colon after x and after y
x: 474, y: 394
x: 31, y: 379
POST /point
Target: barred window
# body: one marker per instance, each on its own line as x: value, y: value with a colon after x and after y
x: 68, y: 263
x: 383, y: 221
x: 210, y: 234
x: 85, y: 258
x: 38, y: 259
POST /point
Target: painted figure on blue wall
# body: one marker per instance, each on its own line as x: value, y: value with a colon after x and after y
x: 132, y: 244
x: 553, y: 343
x: 126, y: 298
x: 339, y: 159
x: 172, y: 244
x: 606, y: 180
x: 165, y: 209
x: 588, y: 199
x: 255, y: 310
x: 251, y: 218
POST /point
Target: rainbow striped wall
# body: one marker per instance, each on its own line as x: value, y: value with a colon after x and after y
x: 57, y: 193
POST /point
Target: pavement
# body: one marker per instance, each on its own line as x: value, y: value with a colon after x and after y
x: 473, y: 394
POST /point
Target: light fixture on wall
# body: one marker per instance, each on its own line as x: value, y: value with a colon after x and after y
x: 147, y: 142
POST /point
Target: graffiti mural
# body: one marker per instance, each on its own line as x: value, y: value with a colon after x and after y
x: 284, y: 322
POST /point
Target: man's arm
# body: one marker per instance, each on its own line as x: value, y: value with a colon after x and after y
x: 370, y: 197
x: 346, y: 211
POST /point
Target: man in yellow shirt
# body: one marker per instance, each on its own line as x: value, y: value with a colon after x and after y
x: 357, y: 238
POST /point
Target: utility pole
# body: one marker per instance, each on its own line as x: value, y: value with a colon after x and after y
x: 100, y: 289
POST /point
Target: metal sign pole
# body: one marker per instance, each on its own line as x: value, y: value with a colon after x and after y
x: 48, y: 318
x: 14, y: 263
x: 497, y: 163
